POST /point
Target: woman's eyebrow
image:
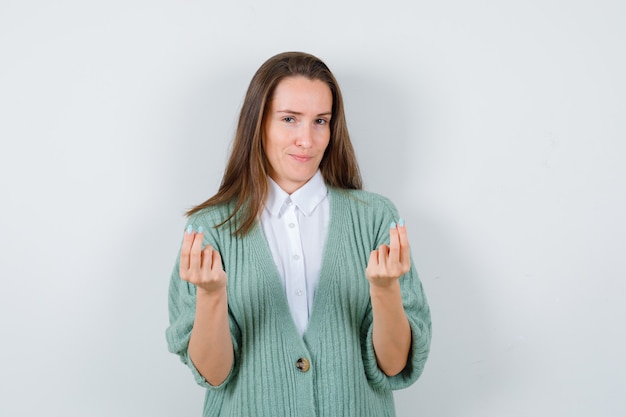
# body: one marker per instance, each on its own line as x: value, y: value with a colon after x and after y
x: 297, y: 113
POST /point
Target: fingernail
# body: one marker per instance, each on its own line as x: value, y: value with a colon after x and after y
x: 189, y: 229
x: 393, y: 225
x: 401, y: 222
x: 200, y: 229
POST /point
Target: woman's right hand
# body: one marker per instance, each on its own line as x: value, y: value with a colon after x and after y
x: 210, y: 344
x: 201, y: 267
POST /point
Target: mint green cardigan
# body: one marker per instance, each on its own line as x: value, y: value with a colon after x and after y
x: 343, y: 379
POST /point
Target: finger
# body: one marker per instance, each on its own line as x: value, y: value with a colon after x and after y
x: 216, y: 261
x: 207, y: 258
x: 383, y: 255
x: 195, y: 256
x: 186, y: 249
x: 372, y: 265
x: 394, y: 244
x: 405, y: 250
x: 373, y: 261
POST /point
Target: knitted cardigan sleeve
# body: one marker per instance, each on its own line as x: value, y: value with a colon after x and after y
x: 182, y: 308
x: 417, y: 312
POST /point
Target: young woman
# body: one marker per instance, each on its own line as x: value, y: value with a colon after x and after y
x: 294, y: 293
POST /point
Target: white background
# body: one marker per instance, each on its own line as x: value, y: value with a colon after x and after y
x: 496, y: 127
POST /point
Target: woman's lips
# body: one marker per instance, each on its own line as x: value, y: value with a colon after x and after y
x: 302, y: 158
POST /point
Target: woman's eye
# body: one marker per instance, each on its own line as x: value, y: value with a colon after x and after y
x: 288, y: 119
x: 321, y: 121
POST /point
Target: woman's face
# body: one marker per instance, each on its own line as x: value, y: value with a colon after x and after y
x: 297, y: 130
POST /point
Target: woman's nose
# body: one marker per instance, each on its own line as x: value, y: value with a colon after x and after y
x: 304, y: 136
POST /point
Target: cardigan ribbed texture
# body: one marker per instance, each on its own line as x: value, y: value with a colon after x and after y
x: 344, y: 379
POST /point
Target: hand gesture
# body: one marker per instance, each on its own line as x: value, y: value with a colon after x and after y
x: 390, y: 262
x: 201, y: 267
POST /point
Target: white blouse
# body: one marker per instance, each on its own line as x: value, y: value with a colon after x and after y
x: 295, y: 228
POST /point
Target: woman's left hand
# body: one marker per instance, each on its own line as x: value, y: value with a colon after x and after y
x: 391, y: 334
x: 390, y: 262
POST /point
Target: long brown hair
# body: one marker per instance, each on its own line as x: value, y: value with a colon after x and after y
x: 245, y: 178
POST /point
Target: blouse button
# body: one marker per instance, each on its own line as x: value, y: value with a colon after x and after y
x: 303, y: 365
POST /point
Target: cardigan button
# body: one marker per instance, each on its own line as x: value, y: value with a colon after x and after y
x: 303, y: 364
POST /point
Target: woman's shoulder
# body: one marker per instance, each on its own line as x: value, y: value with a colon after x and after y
x: 364, y: 204
x: 363, y: 198
x: 212, y: 215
